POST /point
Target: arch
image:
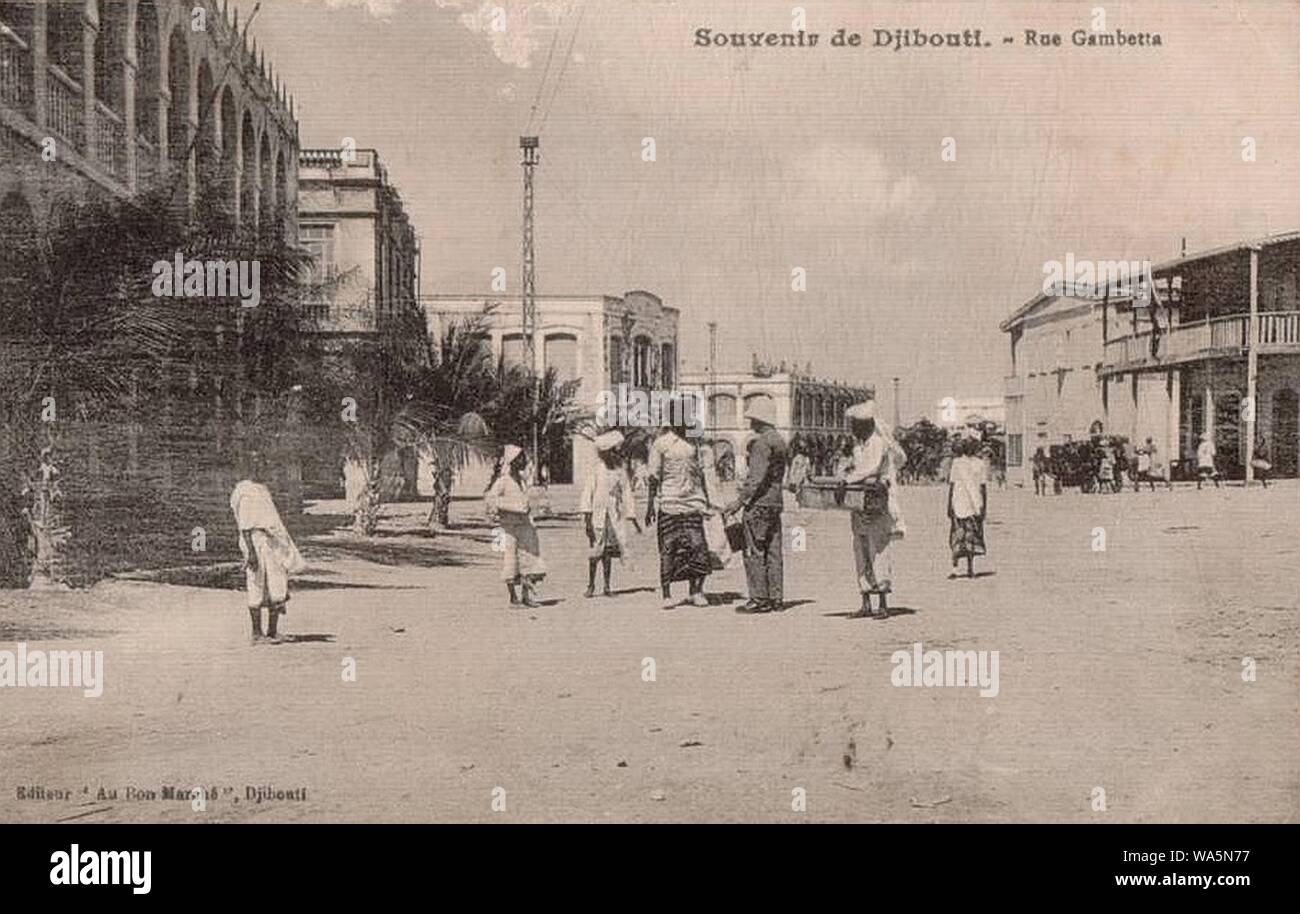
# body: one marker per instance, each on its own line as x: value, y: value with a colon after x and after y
x: 248, y: 171
x: 281, y: 193
x: 722, y: 410
x: 207, y: 147
x: 178, y: 85
x: 65, y: 33
x: 110, y: 57
x: 18, y: 248
x: 266, y: 169
x: 148, y: 70
x: 229, y: 129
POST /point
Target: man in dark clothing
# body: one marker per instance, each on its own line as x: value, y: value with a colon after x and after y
x: 760, y: 498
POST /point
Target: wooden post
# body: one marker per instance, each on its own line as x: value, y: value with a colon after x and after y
x: 1252, y: 364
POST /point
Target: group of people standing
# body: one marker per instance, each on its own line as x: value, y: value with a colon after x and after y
x: 695, y: 528
x: 1105, y: 463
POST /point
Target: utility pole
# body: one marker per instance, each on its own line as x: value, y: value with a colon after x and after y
x: 896, y: 411
x: 713, y: 374
x: 528, y: 145
x: 1252, y: 365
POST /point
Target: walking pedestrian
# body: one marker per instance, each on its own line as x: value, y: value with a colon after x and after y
x: 678, y: 501
x: 506, y: 505
x: 760, y: 500
x: 1040, y: 471
x: 1205, y: 455
x: 270, y: 554
x: 967, y: 505
x: 876, y: 527
x: 800, y: 467
x: 1261, y: 462
x: 606, y: 506
x: 1105, y: 467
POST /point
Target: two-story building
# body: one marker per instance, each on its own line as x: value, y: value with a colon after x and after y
x: 1226, y: 326
x: 112, y: 100
x: 365, y: 253
x: 117, y: 96
x: 603, y: 341
x: 808, y: 409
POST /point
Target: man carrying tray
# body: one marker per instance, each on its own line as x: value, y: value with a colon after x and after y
x: 878, y: 524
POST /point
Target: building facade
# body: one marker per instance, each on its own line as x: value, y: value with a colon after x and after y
x: 122, y: 95
x: 119, y: 99
x: 959, y: 412
x: 365, y: 253
x: 603, y: 341
x: 1219, y: 354
x: 808, y: 409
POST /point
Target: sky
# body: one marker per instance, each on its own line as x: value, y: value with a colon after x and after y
x: 829, y: 160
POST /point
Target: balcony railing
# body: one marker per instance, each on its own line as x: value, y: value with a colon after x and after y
x: 146, y: 162
x: 1217, y: 336
x: 15, y: 71
x: 110, y: 136
x: 63, y: 113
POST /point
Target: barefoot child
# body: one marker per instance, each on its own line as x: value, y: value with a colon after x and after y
x: 967, y: 505
x: 506, y: 502
x: 606, y: 506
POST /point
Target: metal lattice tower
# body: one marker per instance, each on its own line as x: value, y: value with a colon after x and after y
x: 528, y: 144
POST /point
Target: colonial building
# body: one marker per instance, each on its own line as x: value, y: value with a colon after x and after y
x: 1219, y: 354
x: 364, y: 249
x: 116, y: 99
x: 120, y: 95
x: 808, y: 409
x: 601, y: 340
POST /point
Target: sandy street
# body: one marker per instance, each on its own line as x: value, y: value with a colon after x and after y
x: 1119, y: 669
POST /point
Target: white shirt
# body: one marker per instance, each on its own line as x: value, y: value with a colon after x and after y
x: 967, y: 475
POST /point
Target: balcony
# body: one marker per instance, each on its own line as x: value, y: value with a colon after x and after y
x: 15, y: 72
x: 63, y: 109
x: 110, y: 140
x: 1220, y: 337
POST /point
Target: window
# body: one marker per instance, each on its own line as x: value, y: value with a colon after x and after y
x: 562, y: 355
x: 642, y: 376
x: 616, y: 361
x: 666, y: 366
x: 512, y: 349
x: 1015, y: 450
x: 319, y: 242
x: 722, y: 410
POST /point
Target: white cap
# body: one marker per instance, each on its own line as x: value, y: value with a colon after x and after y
x: 608, y: 441
x: 861, y: 411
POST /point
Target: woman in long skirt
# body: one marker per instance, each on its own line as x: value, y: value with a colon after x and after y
x: 967, y: 505
x: 522, y: 568
x: 677, y: 490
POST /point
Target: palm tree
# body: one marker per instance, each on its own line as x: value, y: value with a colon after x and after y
x: 84, y: 339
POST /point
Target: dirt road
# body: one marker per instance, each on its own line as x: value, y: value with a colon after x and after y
x: 1119, y: 669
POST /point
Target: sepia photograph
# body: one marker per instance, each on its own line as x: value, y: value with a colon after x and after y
x: 625, y: 412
